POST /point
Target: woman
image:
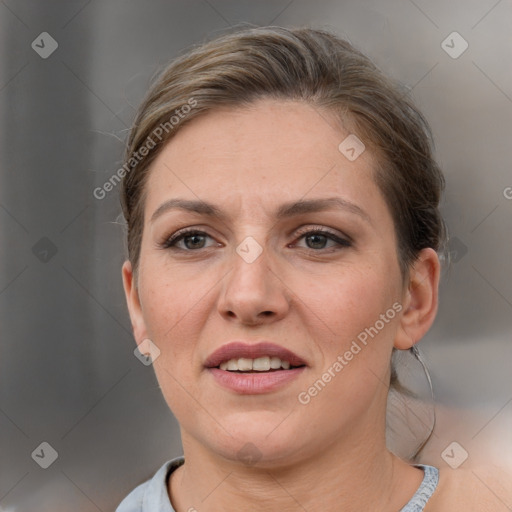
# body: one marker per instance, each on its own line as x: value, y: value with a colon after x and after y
x: 283, y: 227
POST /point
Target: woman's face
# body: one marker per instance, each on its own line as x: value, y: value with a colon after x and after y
x: 254, y: 275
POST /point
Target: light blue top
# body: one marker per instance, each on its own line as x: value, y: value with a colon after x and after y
x: 151, y: 496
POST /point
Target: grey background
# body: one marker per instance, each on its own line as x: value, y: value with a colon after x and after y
x: 68, y: 375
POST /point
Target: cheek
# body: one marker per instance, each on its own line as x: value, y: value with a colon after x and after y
x: 356, y: 343
x: 177, y: 306
x: 173, y: 320
x: 357, y: 340
x: 350, y: 300
x: 167, y: 311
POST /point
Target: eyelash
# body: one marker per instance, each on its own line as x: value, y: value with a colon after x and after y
x: 170, y: 243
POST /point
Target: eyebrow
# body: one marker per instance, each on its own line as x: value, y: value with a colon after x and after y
x: 286, y: 210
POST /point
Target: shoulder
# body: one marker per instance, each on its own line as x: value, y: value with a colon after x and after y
x: 133, y: 502
x: 152, y: 494
x: 482, y: 489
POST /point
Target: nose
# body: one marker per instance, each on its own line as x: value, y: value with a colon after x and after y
x: 253, y: 292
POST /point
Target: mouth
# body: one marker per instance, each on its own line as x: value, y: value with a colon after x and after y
x: 262, y: 357
x: 254, y: 369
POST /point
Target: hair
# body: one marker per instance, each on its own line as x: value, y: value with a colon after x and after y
x: 302, y: 64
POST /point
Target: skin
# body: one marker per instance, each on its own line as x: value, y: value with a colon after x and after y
x: 313, y: 299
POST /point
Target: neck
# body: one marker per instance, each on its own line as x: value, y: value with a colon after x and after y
x: 355, y: 473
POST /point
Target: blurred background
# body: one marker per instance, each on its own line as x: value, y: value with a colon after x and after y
x: 72, y: 395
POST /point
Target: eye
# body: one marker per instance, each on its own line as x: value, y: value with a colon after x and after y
x: 318, y: 237
x: 191, y: 238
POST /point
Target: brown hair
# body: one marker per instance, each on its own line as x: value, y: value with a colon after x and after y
x: 302, y: 64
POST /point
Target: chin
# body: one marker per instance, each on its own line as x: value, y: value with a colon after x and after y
x: 260, y: 439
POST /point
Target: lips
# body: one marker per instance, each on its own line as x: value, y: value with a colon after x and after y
x: 238, y: 349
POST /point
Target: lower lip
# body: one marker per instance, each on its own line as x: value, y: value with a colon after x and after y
x: 255, y: 383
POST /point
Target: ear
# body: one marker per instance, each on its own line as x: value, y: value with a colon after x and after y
x: 132, y: 299
x: 420, y: 300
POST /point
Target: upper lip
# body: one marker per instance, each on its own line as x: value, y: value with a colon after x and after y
x: 238, y: 349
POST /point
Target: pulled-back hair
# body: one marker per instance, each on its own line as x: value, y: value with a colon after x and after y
x: 303, y: 64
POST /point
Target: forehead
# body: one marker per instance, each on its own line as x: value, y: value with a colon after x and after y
x: 268, y: 152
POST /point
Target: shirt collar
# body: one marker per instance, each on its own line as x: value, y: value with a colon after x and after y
x: 156, y: 497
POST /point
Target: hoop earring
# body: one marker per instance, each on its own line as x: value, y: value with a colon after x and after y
x: 416, y: 353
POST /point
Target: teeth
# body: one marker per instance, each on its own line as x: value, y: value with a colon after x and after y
x: 232, y: 365
x: 244, y: 365
x: 260, y: 364
x: 275, y: 363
